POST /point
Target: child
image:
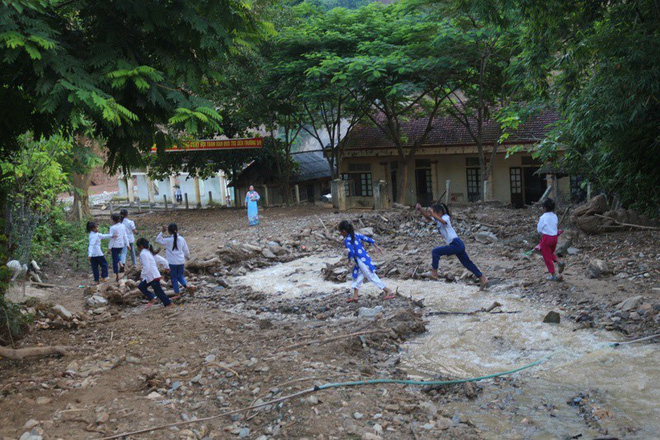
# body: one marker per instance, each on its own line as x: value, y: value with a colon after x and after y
x: 95, y: 253
x: 117, y: 243
x: 440, y: 215
x: 150, y: 276
x: 176, y: 251
x: 547, y: 227
x: 363, y: 267
x: 130, y: 235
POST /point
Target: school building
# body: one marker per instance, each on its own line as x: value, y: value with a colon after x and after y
x: 449, y: 160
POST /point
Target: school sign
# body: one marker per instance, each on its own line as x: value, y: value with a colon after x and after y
x: 215, y: 145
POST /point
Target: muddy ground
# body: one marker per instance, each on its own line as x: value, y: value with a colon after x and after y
x: 253, y: 333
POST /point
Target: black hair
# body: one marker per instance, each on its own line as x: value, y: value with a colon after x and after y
x: 115, y: 218
x: 123, y: 213
x: 549, y: 205
x: 173, y: 229
x: 144, y: 244
x: 441, y: 208
x: 347, y: 227
x: 90, y: 226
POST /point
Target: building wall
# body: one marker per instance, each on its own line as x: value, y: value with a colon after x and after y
x: 444, y: 167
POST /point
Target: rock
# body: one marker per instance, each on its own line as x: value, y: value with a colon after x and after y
x: 378, y: 429
x: 485, y: 237
x: 62, y: 312
x: 597, y: 268
x: 552, y: 318
x: 154, y: 396
x: 209, y: 358
x: 313, y: 400
x: 469, y: 390
x: 430, y: 409
x: 276, y: 249
x: 30, y: 424
x: 370, y: 436
x: 357, y: 415
x: 572, y: 251
x: 196, y: 379
x: 429, y: 426
x: 102, y: 417
x: 244, y: 432
x: 268, y: 254
x: 43, y: 400
x: 443, y: 423
x: 630, y: 303
x: 635, y: 316
x: 369, y: 232
x: 96, y: 301
x: 365, y: 312
x: 30, y: 436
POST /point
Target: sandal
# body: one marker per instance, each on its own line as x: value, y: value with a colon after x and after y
x: 351, y: 300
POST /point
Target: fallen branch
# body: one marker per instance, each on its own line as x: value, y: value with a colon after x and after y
x: 19, y: 354
x: 651, y: 228
x: 334, y: 338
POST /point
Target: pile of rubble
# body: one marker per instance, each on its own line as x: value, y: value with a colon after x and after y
x: 49, y: 316
x: 595, y: 217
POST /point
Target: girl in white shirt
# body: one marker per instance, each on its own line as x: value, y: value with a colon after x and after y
x: 118, y: 241
x: 439, y: 214
x: 130, y: 235
x: 150, y: 276
x: 95, y: 254
x: 176, y: 252
x: 547, y: 227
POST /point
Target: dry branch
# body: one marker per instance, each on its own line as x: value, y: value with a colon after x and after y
x: 334, y: 338
x: 651, y: 228
x: 19, y: 354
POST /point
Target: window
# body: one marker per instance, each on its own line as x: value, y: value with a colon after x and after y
x: 578, y: 192
x: 360, y: 183
x: 515, y: 175
x: 473, y: 184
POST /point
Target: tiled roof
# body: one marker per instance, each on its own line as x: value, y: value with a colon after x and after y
x: 447, y: 131
x: 311, y: 166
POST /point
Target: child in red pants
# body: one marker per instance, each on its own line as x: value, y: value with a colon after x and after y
x: 547, y: 227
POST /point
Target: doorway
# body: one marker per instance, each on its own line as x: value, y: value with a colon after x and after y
x: 424, y: 185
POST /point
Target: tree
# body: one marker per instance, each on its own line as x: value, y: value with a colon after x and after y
x: 404, y: 68
x: 598, y: 63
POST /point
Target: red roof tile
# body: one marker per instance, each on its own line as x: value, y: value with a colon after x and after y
x: 448, y: 131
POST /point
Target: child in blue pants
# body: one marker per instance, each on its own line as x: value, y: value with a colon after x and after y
x: 150, y: 276
x: 95, y: 254
x: 440, y: 215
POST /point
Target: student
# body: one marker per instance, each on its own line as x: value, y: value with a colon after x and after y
x: 95, y: 254
x: 150, y: 276
x: 440, y: 215
x: 363, y: 267
x: 117, y: 243
x: 176, y: 252
x: 130, y: 235
x: 178, y: 195
x: 547, y: 227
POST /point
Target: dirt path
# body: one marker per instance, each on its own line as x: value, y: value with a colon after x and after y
x: 253, y: 341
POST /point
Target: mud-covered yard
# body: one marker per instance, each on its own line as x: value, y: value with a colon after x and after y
x: 270, y: 319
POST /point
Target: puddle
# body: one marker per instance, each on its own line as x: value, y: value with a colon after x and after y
x: 623, y: 382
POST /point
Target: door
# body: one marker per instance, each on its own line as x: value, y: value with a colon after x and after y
x: 473, y: 184
x: 394, y: 185
x: 424, y: 185
x: 515, y: 180
x: 533, y: 184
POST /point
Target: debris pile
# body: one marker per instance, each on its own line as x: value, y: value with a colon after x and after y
x: 595, y: 217
x: 48, y: 316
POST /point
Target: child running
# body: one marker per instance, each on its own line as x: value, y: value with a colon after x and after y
x: 95, y: 254
x: 130, y: 235
x: 150, y: 276
x: 176, y: 251
x: 440, y: 215
x: 363, y: 267
x: 118, y: 242
x: 547, y: 227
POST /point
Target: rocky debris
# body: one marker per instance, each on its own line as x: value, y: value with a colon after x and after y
x: 95, y: 301
x: 485, y: 237
x: 594, y: 217
x: 62, y: 312
x: 369, y: 232
x: 337, y: 272
x: 630, y: 303
x: 365, y: 312
x: 597, y: 268
x: 552, y: 318
x: 268, y: 254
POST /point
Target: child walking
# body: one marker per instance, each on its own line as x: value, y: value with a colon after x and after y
x: 118, y: 242
x: 95, y: 254
x: 548, y: 228
x: 176, y: 252
x: 363, y: 266
x: 440, y: 215
x: 150, y: 276
x: 130, y: 235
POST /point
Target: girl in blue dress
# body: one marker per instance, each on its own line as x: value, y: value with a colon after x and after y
x: 363, y: 267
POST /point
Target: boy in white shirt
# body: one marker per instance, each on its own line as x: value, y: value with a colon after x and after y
x: 547, y: 227
x: 130, y: 234
x: 118, y: 242
x: 150, y: 276
x: 95, y: 254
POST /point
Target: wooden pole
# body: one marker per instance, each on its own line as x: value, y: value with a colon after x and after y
x: 139, y: 202
x: 447, y: 192
x: 210, y: 198
x: 185, y: 196
x: 165, y: 200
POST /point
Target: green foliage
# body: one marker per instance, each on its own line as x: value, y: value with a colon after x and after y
x: 60, y: 241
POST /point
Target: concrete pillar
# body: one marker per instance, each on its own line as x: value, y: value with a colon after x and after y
x: 172, y: 188
x: 143, y: 187
x: 339, y: 199
x: 198, y: 194
x: 150, y: 189
x: 122, y: 188
x: 223, y: 188
x: 447, y: 191
x: 381, y: 200
x: 266, y: 200
x: 131, y: 193
x: 297, y: 191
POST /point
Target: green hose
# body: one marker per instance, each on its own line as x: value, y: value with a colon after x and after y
x: 427, y: 383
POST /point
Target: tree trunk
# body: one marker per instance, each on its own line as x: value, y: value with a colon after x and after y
x: 22, y: 353
x: 81, y: 184
x: 402, y: 184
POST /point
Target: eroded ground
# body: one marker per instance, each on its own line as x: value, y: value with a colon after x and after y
x: 268, y: 324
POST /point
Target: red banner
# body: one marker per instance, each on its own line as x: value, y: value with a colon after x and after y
x: 212, y: 145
